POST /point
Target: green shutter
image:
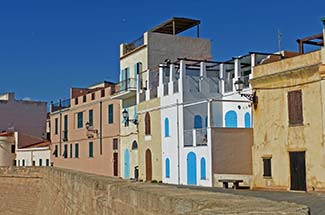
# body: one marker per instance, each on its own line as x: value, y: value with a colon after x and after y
x: 91, y: 149
x: 80, y: 120
x: 91, y: 116
x: 110, y: 114
x: 76, y: 150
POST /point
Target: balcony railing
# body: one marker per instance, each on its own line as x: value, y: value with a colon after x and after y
x: 199, y: 135
x: 165, y: 89
x: 133, y: 45
x: 188, y: 138
x: 62, y: 104
x: 228, y: 85
x: 126, y: 85
x: 175, y: 90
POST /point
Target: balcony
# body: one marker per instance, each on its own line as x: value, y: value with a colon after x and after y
x: 62, y: 104
x: 133, y: 45
x: 126, y: 89
x: 195, y: 137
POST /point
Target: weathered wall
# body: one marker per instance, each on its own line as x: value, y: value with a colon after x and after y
x: 68, y: 192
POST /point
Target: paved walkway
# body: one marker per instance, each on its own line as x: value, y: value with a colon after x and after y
x: 315, y: 201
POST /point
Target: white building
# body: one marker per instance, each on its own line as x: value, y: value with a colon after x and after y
x: 197, y: 98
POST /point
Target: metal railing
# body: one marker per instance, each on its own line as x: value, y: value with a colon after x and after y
x: 188, y: 138
x: 62, y: 104
x: 133, y: 45
x: 228, y: 85
x: 201, y: 137
x: 125, y: 85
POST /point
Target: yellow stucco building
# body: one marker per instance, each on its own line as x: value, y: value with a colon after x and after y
x: 289, y: 123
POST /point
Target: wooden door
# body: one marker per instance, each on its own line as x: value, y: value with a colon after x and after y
x: 148, y: 165
x: 298, y: 171
x: 115, y: 165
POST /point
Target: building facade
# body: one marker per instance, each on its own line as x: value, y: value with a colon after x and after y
x: 288, y: 150
x: 140, y: 58
x: 85, y: 131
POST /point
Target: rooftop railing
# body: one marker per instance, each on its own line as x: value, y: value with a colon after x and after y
x: 61, y: 104
x: 133, y: 45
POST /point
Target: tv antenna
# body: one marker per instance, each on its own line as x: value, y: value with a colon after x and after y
x: 280, y: 40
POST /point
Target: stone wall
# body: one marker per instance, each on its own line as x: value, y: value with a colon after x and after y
x: 54, y: 191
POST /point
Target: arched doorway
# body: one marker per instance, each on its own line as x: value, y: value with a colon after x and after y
x: 231, y: 119
x: 191, y: 168
x: 148, y: 165
x: 126, y: 164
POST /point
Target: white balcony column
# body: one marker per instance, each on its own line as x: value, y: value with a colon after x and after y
x: 148, y: 86
x: 221, y: 76
x: 171, y: 79
x: 194, y: 137
x: 161, y: 81
x: 203, y: 78
x: 237, y: 73
x: 182, y: 76
x: 210, y: 114
x: 253, y: 64
x: 139, y: 90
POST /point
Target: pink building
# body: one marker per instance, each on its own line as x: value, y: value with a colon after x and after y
x: 85, y: 130
x: 24, y: 116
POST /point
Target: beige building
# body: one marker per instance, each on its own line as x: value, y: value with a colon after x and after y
x: 139, y: 62
x: 85, y: 130
x: 289, y: 122
x: 149, y: 135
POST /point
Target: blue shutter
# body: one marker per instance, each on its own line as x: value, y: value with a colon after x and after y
x: 167, y: 168
x: 122, y: 79
x: 203, y: 169
x: 128, y: 77
x: 247, y: 120
x: 231, y: 119
x: 197, y: 122
x: 166, y: 127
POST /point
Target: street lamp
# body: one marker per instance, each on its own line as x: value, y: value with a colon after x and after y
x: 126, y: 118
x: 239, y: 86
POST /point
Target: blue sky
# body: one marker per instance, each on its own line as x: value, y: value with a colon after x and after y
x: 47, y: 46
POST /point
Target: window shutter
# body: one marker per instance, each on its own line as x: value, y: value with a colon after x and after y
x: 295, y: 107
x: 147, y: 124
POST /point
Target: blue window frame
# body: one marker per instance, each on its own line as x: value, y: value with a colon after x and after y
x: 167, y: 168
x: 197, y: 121
x: 80, y: 119
x: 203, y: 169
x: 166, y: 127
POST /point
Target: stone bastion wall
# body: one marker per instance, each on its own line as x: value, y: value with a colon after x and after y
x: 54, y: 191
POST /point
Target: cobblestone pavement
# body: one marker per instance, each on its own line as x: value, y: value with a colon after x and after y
x: 315, y: 201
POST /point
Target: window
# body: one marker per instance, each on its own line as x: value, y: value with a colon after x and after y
x: 166, y: 127
x: 40, y: 162
x: 147, y: 124
x: 70, y: 150
x: 167, y: 168
x: 295, y: 107
x: 13, y: 148
x: 80, y: 120
x: 110, y: 114
x: 65, y: 152
x: 14, y: 163
x: 115, y: 144
x: 91, y: 149
x: 247, y: 120
x: 76, y: 150
x: 93, y: 96
x: 33, y: 163
x: 197, y: 121
x: 231, y: 119
x: 76, y: 101
x: 84, y: 98
x: 23, y: 162
x: 134, y: 145
x: 267, y: 167
x: 203, y: 169
x: 102, y: 93
x: 47, y: 162
x: 56, y: 126
x: 91, y: 117
x: 55, y: 153
x: 65, y: 128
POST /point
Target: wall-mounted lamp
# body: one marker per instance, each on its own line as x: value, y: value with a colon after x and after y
x: 126, y: 118
x: 90, y: 130
x: 239, y: 86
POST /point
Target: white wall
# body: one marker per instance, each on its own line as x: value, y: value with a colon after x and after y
x: 33, y: 154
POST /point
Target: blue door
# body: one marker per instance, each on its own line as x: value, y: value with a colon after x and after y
x: 203, y: 169
x: 191, y: 168
x: 231, y: 119
x: 126, y: 164
x: 247, y: 120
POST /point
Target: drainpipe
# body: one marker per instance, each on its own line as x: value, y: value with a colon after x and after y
x: 178, y: 150
x: 100, y: 127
